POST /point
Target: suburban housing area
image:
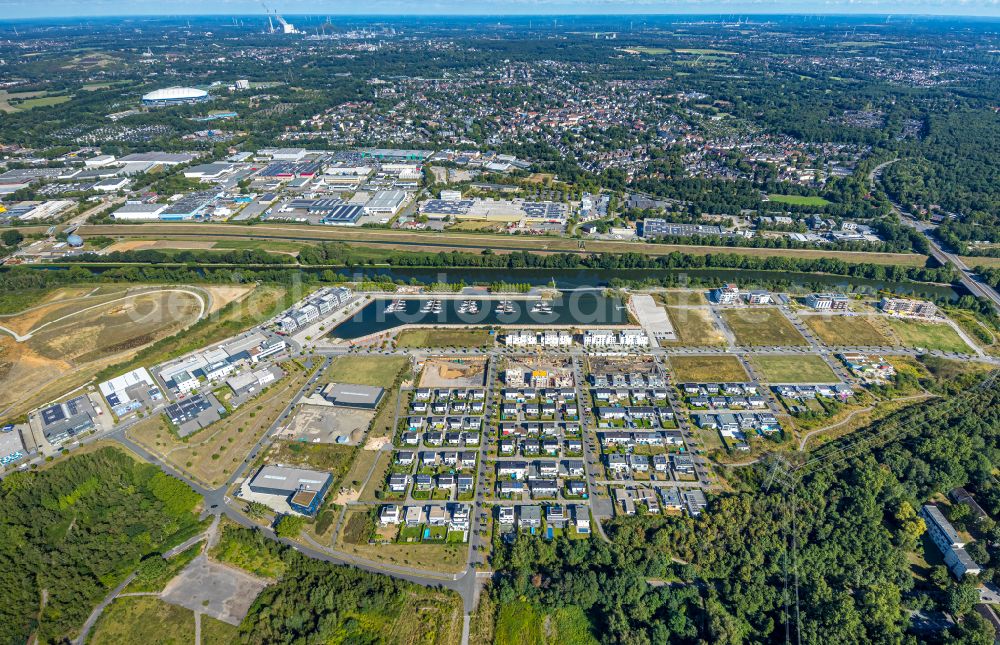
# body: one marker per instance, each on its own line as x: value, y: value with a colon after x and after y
x: 451, y: 330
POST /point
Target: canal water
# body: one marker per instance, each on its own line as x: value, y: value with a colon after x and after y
x: 570, y: 308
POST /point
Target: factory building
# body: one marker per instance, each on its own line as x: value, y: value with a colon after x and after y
x: 139, y: 212
x: 390, y: 155
x: 250, y: 382
x: 128, y: 392
x: 303, y: 489
x: 11, y: 445
x: 652, y: 227
x: 385, y: 202
x: 63, y: 421
x: 348, y: 395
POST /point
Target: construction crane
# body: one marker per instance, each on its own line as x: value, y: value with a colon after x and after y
x: 286, y: 27
x: 270, y: 25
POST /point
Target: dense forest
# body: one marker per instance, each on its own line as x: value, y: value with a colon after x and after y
x: 73, y: 531
x: 957, y: 234
x: 319, y: 602
x: 954, y: 168
x: 729, y: 575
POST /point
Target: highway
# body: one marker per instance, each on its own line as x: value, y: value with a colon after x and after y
x: 969, y: 279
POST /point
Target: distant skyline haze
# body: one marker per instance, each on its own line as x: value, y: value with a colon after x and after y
x: 22, y: 9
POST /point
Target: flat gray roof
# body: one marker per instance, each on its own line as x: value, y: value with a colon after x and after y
x: 289, y: 479
x: 386, y: 199
x: 159, y: 157
x: 348, y: 394
x: 935, y: 515
x: 531, y: 512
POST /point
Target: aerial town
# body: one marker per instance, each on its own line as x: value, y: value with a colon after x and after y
x: 584, y: 330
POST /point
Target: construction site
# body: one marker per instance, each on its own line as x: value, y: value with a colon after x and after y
x: 454, y: 372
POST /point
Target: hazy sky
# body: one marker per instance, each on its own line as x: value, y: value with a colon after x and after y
x: 56, y: 8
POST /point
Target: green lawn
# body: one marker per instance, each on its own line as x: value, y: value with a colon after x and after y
x: 143, y: 619
x: 762, y: 326
x: 705, y: 52
x: 694, y: 328
x: 681, y: 297
x: 652, y: 51
x: 928, y: 335
x: 216, y: 632
x: 42, y: 101
x: 272, y: 246
x: 798, y: 200
x: 807, y: 368
x: 519, y: 623
x: 365, y: 370
x: 708, y: 369
x: 417, y: 338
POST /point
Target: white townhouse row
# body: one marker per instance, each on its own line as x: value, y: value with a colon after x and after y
x: 547, y: 338
x: 611, y: 338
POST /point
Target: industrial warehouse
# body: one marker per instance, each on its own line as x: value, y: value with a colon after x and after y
x: 353, y: 396
x: 300, y: 489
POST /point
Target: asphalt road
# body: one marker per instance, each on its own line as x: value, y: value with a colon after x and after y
x: 467, y: 583
x: 969, y: 279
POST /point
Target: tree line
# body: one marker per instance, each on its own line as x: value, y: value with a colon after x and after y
x: 721, y: 577
x: 76, y: 530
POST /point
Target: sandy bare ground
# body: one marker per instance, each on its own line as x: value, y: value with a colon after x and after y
x: 376, y: 443
x: 72, y: 341
x: 326, y: 424
x: 222, y: 295
x: 144, y: 245
x: 127, y: 303
x: 346, y: 496
x: 62, y: 301
x: 444, y: 372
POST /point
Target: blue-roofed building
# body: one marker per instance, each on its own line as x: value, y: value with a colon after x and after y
x: 188, y: 207
x: 344, y: 215
x: 303, y: 489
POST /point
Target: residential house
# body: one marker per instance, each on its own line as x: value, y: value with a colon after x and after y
x: 695, y: 501
x: 466, y: 483
x: 543, y: 487
x: 639, y: 463
x: 530, y: 517
x: 389, y: 514
x: 574, y: 467
x: 413, y: 515
x: 437, y: 515
x: 398, y: 483
x: 555, y: 516
x: 459, y: 518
